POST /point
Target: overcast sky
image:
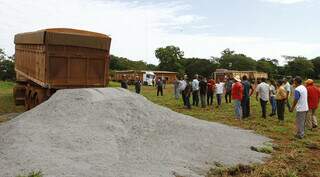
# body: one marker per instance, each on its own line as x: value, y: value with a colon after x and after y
x: 201, y: 28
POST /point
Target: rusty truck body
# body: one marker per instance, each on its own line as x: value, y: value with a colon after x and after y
x: 58, y: 58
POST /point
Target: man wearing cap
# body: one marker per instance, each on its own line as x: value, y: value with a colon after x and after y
x: 263, y: 92
x: 300, y: 103
x: 313, y: 102
x: 237, y: 93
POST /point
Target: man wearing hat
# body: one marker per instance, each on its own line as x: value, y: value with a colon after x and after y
x: 313, y: 102
x: 237, y: 93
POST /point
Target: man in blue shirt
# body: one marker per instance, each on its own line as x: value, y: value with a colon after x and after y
x: 245, y: 102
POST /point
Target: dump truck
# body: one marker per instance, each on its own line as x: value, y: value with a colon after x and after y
x: 58, y: 58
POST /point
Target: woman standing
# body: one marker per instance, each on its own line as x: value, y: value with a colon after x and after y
x: 281, y: 97
x: 272, y: 99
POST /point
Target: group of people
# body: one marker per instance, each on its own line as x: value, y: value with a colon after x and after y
x: 305, y: 97
x: 137, y: 83
x: 201, y: 90
x: 159, y: 83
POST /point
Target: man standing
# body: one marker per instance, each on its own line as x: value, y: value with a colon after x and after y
x: 176, y: 88
x: 210, y: 90
x: 301, y: 104
x: 287, y: 87
x: 160, y: 87
x: 263, y: 91
x: 313, y: 102
x: 219, y: 91
x: 182, y: 87
x: 137, y: 85
x: 228, y: 88
x: 124, y: 82
x: 281, y: 96
x: 203, y: 91
x: 187, y: 92
x: 195, y: 91
x: 237, y: 93
x: 245, y: 103
x: 164, y: 81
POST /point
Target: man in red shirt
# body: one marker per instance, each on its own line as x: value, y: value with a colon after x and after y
x: 313, y: 102
x: 210, y: 90
x: 237, y: 93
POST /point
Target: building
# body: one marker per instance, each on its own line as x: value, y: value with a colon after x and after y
x: 146, y: 76
x: 252, y: 75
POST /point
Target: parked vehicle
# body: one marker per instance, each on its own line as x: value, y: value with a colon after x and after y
x: 58, y: 58
x: 148, y: 77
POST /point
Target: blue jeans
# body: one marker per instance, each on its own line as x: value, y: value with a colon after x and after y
x: 245, y: 105
x: 273, y: 104
x: 237, y: 108
x: 219, y: 99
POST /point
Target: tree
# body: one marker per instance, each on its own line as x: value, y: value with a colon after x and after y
x: 268, y: 66
x: 170, y: 59
x: 316, y: 64
x: 120, y: 63
x: 299, y: 66
x: 203, y: 67
x: 231, y: 60
x: 6, y: 66
x: 152, y: 67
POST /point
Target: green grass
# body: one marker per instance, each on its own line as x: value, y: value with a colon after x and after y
x: 6, y: 99
x: 32, y: 174
x: 291, y: 157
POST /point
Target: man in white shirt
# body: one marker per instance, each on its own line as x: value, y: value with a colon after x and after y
x: 263, y: 91
x: 219, y: 91
x: 287, y: 87
x: 195, y: 91
x: 300, y: 103
x: 182, y: 87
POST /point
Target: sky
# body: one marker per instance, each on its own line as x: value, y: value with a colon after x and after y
x: 201, y: 28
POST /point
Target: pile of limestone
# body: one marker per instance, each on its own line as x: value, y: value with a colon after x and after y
x: 115, y: 133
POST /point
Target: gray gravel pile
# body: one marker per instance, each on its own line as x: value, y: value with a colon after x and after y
x: 116, y: 133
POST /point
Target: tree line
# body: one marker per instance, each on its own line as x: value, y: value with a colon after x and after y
x: 172, y: 58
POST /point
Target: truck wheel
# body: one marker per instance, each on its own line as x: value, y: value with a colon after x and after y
x: 36, y: 100
x: 32, y: 100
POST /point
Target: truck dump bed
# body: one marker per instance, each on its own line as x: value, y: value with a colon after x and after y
x: 63, y: 58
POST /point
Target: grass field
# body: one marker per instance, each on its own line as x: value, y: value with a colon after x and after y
x: 291, y: 158
x: 6, y: 101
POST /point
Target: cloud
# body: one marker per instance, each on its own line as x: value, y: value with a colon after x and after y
x: 286, y: 1
x: 137, y: 28
x: 132, y: 25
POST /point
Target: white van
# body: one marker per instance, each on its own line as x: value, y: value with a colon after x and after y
x: 148, y: 76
